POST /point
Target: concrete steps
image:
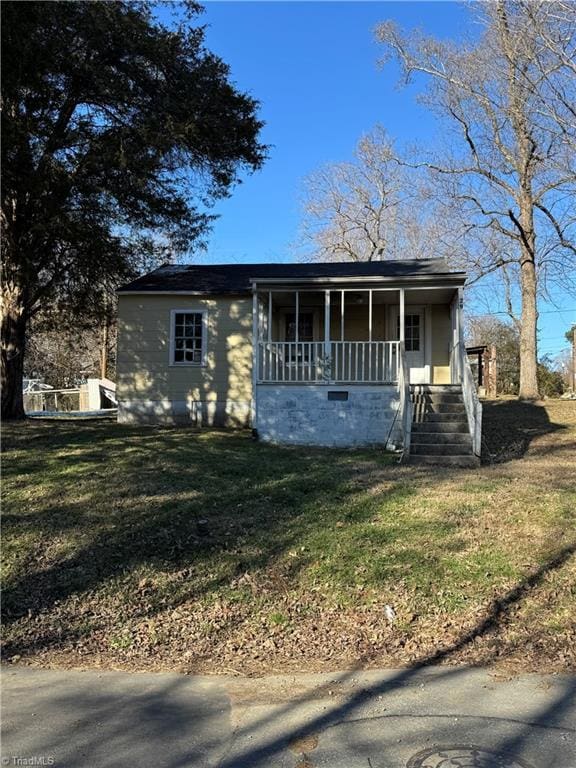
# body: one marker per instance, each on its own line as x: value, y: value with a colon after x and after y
x: 441, y: 438
x: 429, y: 417
x: 442, y: 389
x: 442, y: 407
x: 437, y: 427
x: 444, y: 449
x: 438, y: 397
x: 440, y: 433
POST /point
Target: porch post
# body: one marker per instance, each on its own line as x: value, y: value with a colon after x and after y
x: 459, y: 334
x: 327, y: 350
x: 402, y: 329
x: 255, y: 357
x: 453, y: 378
x: 269, y: 315
x: 296, y: 337
x: 370, y: 315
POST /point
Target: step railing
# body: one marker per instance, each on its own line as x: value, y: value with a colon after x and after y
x: 469, y: 394
x: 405, y: 406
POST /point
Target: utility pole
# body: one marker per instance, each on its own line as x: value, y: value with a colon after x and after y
x: 105, y: 338
x: 493, y: 371
x: 104, y: 350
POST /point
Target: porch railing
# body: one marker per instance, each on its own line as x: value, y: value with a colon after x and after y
x: 367, y: 362
x: 283, y: 361
x: 343, y: 362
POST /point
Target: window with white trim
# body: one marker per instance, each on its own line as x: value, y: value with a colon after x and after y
x: 188, y: 338
x: 411, y: 332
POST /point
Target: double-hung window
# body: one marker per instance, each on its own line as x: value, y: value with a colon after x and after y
x: 187, y: 337
x: 411, y: 332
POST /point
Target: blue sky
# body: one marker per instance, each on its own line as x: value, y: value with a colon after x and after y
x: 314, y: 68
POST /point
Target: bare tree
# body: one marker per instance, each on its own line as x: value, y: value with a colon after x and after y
x: 555, y: 73
x: 510, y: 170
x: 64, y: 350
x: 359, y: 210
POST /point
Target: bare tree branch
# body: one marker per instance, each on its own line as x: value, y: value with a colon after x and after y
x: 511, y: 98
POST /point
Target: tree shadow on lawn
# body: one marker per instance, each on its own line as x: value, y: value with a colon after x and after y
x: 139, y: 716
x: 510, y: 426
x: 201, y: 509
x: 509, y: 747
x: 128, y: 501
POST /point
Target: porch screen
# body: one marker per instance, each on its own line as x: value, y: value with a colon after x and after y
x: 305, y: 326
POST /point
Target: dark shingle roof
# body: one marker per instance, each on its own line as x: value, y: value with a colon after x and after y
x: 237, y: 278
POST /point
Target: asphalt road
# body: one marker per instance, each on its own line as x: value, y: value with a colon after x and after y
x: 432, y: 718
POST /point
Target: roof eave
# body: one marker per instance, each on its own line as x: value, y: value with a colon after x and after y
x: 439, y: 279
x: 174, y: 292
x: 448, y: 278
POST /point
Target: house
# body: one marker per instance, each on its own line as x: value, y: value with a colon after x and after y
x: 338, y: 354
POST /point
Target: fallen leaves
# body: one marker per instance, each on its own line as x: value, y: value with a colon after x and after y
x: 257, y: 595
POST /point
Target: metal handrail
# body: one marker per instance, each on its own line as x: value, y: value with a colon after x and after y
x: 406, y: 410
x: 460, y: 365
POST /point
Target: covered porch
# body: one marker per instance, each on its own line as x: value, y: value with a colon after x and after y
x: 355, y: 335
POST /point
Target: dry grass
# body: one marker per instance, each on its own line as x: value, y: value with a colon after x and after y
x: 105, y: 562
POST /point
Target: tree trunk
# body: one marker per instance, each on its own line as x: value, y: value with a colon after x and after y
x: 574, y: 360
x: 13, y: 333
x: 528, y: 351
x: 519, y: 99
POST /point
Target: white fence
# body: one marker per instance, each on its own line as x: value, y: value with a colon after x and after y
x: 95, y: 395
x: 348, y: 362
x: 53, y: 400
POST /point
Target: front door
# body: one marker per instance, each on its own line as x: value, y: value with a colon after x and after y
x: 414, y: 334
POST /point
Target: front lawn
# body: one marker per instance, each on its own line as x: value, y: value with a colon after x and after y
x: 205, y: 551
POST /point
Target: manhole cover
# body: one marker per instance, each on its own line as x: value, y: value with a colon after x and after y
x: 463, y: 756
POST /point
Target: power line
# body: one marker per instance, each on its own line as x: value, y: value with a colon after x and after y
x: 543, y: 312
x: 557, y: 311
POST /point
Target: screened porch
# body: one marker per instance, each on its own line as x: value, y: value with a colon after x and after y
x: 309, y: 336
x: 351, y: 335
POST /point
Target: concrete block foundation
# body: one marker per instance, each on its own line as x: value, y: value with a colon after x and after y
x: 338, y: 416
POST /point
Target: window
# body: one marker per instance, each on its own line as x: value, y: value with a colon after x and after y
x: 305, y: 326
x: 188, y: 338
x: 411, y: 332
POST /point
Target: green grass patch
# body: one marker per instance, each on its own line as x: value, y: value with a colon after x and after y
x: 112, y: 534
